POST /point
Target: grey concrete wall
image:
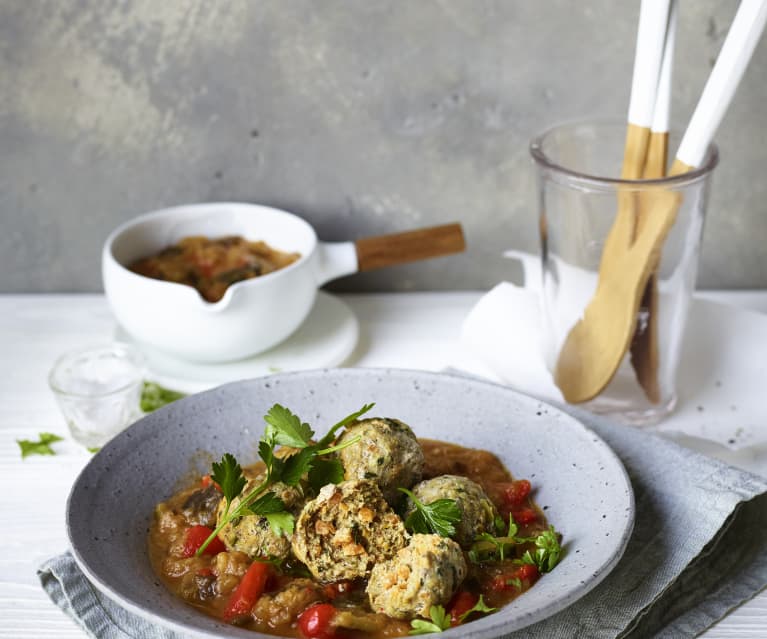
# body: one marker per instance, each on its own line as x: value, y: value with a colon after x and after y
x: 365, y: 117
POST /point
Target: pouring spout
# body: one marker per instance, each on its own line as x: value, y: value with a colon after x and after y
x: 334, y: 260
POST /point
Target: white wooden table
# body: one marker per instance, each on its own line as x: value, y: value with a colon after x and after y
x: 416, y: 330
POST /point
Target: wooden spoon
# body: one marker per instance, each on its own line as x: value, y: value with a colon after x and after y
x: 644, y: 346
x: 651, y: 36
x: 595, y: 346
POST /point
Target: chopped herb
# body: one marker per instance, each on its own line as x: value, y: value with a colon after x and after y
x: 154, y: 396
x: 480, y: 606
x: 514, y: 581
x: 547, y: 551
x: 41, y: 447
x: 93, y: 449
x: 545, y: 556
x: 439, y: 517
x: 486, y: 547
x: 440, y: 621
x: 285, y: 429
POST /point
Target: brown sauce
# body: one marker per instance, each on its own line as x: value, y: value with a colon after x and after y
x: 212, y: 265
x: 206, y: 582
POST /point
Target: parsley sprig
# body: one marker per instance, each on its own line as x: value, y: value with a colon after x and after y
x: 547, y: 551
x: 439, y: 517
x: 545, y: 555
x: 41, y: 447
x: 283, y: 428
x: 440, y: 621
x: 480, y: 606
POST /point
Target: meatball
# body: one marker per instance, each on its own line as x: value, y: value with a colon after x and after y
x: 346, y: 530
x: 478, y: 513
x: 426, y: 573
x: 388, y: 453
x: 252, y: 534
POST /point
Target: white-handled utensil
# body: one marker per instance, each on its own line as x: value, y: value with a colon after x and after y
x: 644, y: 345
x: 738, y: 47
x: 651, y: 37
x: 595, y: 346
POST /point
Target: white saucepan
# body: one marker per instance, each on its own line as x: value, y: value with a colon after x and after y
x: 254, y: 314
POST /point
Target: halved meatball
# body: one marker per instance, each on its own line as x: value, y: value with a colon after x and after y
x: 388, y: 453
x: 252, y: 534
x: 346, y: 530
x: 426, y: 573
x: 477, y: 511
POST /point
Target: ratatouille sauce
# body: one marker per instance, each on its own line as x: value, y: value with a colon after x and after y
x: 207, y: 582
x: 212, y: 265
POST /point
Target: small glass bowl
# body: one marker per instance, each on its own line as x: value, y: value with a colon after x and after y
x: 98, y: 389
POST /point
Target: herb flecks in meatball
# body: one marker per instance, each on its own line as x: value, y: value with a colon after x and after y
x: 387, y: 453
x: 346, y: 530
x: 426, y: 573
x: 478, y: 513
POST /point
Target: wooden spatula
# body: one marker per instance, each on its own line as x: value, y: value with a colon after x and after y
x: 644, y: 345
x: 595, y: 346
x: 651, y: 36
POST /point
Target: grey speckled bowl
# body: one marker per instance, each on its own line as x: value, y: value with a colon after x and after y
x: 578, y: 480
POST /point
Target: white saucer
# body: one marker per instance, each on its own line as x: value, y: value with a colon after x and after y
x: 325, y: 339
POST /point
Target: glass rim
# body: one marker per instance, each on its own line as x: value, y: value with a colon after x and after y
x: 128, y: 353
x: 710, y: 162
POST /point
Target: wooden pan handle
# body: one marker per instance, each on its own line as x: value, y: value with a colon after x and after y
x: 400, y: 248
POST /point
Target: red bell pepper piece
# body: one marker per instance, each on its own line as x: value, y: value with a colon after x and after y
x: 247, y: 592
x: 462, y: 602
x: 196, y: 536
x: 315, y: 621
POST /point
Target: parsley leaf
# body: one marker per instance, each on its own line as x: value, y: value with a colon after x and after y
x: 266, y: 504
x: 438, y: 517
x: 440, y: 621
x: 296, y: 466
x: 281, y: 523
x: 285, y: 428
x: 325, y: 471
x: 228, y: 475
x: 480, y: 606
x: 154, y: 396
x: 40, y: 447
x: 547, y: 551
x: 273, y: 508
x: 331, y: 434
x: 514, y: 581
